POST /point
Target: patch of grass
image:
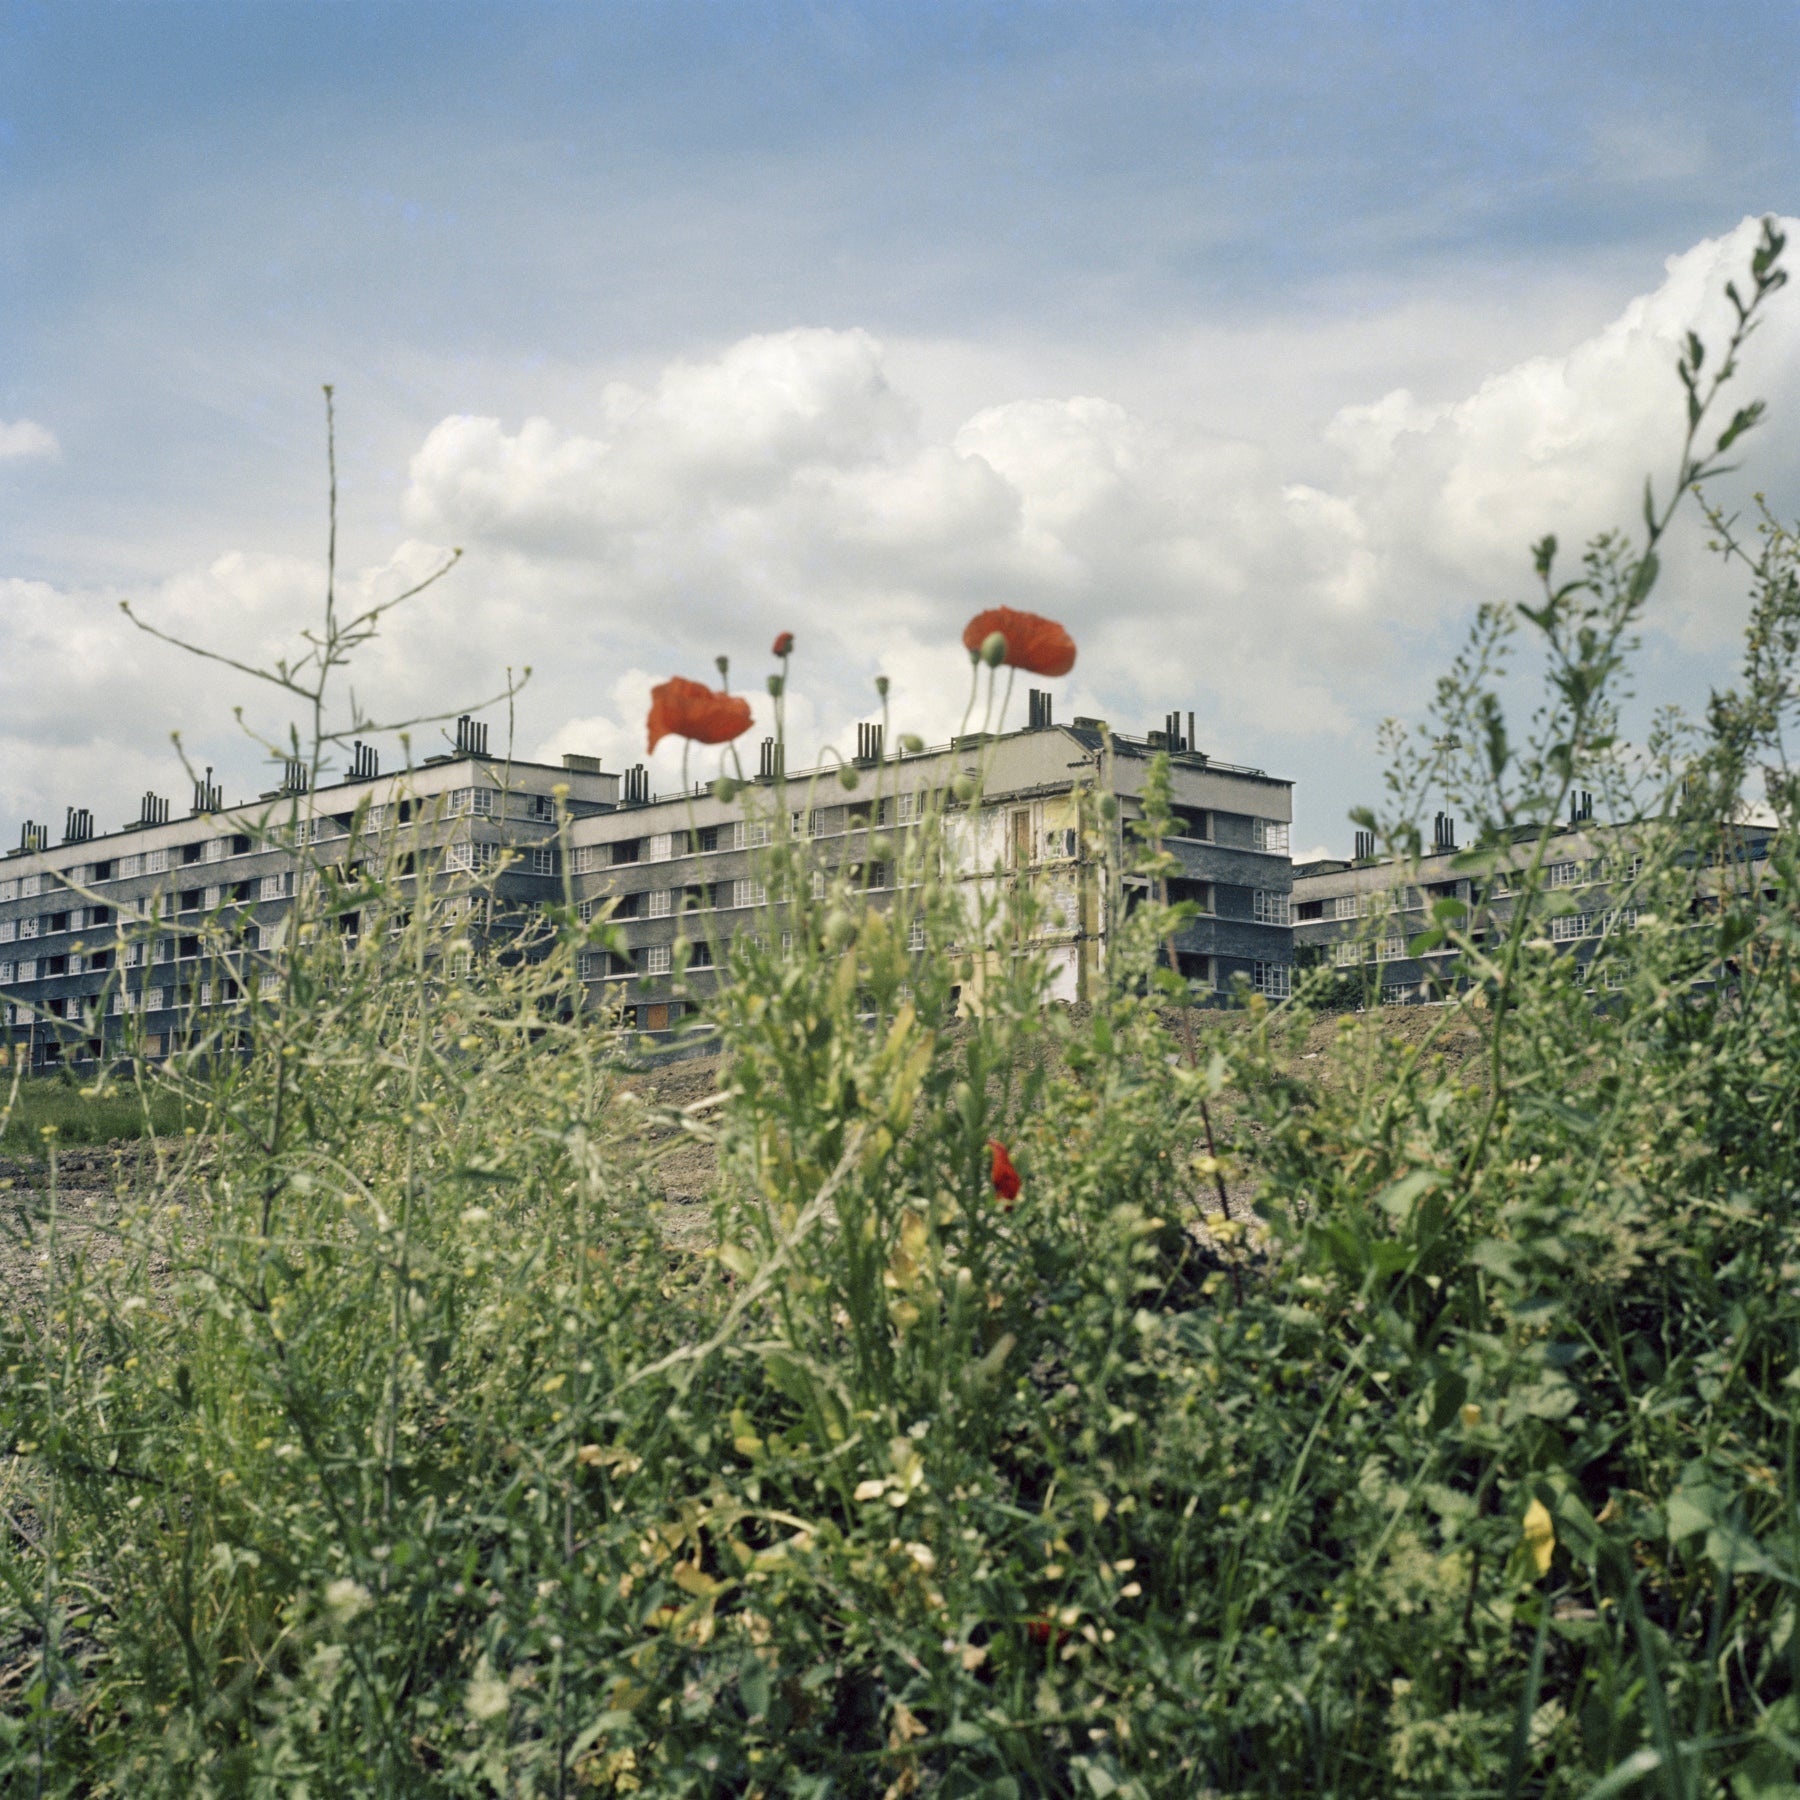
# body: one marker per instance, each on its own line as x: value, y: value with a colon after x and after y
x: 79, y: 1115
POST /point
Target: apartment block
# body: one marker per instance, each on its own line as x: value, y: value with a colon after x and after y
x: 1362, y: 915
x: 169, y: 920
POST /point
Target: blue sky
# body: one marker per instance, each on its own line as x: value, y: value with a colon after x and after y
x: 1256, y: 341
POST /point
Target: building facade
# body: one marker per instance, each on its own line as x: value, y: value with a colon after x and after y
x: 166, y: 921
x: 1362, y: 916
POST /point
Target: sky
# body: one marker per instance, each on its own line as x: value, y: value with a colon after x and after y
x: 1256, y: 343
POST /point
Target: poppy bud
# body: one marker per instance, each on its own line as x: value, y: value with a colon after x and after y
x: 847, y: 776
x: 993, y: 649
x: 881, y: 686
x: 784, y: 644
x: 965, y: 787
x: 911, y: 743
x: 723, y: 665
x: 840, y: 928
x: 775, y: 687
x: 725, y: 789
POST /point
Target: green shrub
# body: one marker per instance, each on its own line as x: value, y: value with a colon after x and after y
x: 385, y: 1447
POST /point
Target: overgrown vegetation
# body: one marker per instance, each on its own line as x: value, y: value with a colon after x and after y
x: 388, y: 1450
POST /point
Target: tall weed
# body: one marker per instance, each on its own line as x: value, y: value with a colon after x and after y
x: 386, y: 1446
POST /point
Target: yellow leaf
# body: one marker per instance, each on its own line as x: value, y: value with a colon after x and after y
x: 1539, y: 1536
x: 737, y: 1259
x: 692, y: 1579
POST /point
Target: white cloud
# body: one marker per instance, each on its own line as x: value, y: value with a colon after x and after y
x: 791, y: 482
x: 26, y: 438
x: 787, y: 484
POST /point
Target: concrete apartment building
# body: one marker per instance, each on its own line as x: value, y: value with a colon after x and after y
x: 101, y: 926
x: 1360, y: 915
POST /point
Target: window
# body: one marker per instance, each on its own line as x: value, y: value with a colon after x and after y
x: 1343, y: 907
x: 217, y: 849
x: 30, y: 886
x: 1571, y: 926
x: 755, y: 834
x: 590, y: 965
x: 542, y: 859
x: 9, y: 931
x: 586, y: 858
x: 906, y: 808
x: 787, y: 946
x: 915, y: 935
x: 543, y: 807
x: 656, y: 959
x: 1269, y: 906
x: 1060, y: 843
x: 1392, y: 948
x: 1271, y: 835
x: 1018, y: 838
x: 661, y: 846
x: 749, y: 893
x: 154, y: 999
x: 268, y: 986
x: 700, y: 955
x: 275, y: 887
x: 28, y: 969
x: 156, y: 862
x: 28, y: 928
x: 818, y: 884
x: 213, y: 896
x: 1345, y: 953
x: 469, y: 803
x: 1272, y: 980
x: 660, y: 901
x: 471, y: 858
x: 9, y: 890
x: 1565, y: 874
x: 6, y: 973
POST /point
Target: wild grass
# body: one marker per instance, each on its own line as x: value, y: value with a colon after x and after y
x: 75, y: 1114
x: 386, y: 1448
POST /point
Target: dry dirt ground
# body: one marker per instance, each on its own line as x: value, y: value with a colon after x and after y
x: 93, y: 1183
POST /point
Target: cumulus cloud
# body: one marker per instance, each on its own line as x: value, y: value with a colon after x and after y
x: 789, y: 482
x: 786, y: 484
x: 26, y: 438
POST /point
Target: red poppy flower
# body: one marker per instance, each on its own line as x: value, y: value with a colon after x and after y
x: 1044, y: 1630
x: 1035, y: 644
x: 784, y: 645
x: 689, y: 709
x: 1005, y: 1176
